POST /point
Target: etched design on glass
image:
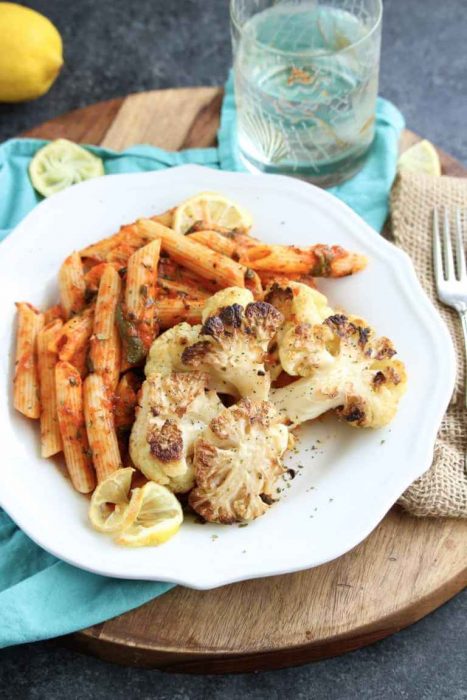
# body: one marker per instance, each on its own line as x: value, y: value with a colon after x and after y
x: 268, y: 140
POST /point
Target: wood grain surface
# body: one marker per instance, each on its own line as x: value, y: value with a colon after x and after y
x: 406, y: 568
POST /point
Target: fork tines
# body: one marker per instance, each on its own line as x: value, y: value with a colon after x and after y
x: 447, y: 238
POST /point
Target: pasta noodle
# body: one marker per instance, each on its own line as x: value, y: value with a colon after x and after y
x: 269, y: 277
x: 170, y: 270
x: 173, y: 311
x: 215, y: 241
x: 129, y: 238
x: 318, y: 260
x: 166, y: 219
x: 100, y: 427
x: 52, y: 313
x: 196, y: 257
x: 105, y: 350
x: 74, y: 335
x: 140, y: 291
x: 26, y: 382
x: 180, y: 289
x: 51, y: 439
x: 71, y: 284
x: 69, y: 390
x: 126, y: 400
x: 93, y: 276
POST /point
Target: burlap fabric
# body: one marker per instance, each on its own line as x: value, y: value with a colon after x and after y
x: 442, y: 490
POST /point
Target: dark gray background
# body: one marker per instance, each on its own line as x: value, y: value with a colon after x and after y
x: 113, y: 47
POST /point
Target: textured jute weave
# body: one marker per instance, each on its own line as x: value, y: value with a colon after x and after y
x: 442, y: 490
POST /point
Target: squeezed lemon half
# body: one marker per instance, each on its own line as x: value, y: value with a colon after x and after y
x: 60, y: 164
x: 137, y: 517
x: 158, y: 517
x: 110, y: 503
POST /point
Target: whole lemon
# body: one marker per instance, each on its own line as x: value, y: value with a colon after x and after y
x: 30, y: 53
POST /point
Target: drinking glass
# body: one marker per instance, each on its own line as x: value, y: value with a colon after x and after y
x: 306, y: 81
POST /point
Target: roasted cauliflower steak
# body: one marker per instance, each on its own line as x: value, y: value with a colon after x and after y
x: 345, y: 367
x: 237, y: 461
x: 233, y: 348
x: 173, y: 410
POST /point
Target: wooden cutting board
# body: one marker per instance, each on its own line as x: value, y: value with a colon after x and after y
x: 405, y: 569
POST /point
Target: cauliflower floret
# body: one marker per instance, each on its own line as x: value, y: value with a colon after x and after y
x: 237, y: 461
x: 299, y: 304
x: 166, y: 351
x: 226, y: 297
x: 174, y: 409
x: 232, y: 349
x: 346, y: 368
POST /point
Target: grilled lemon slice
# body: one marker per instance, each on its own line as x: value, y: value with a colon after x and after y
x: 213, y: 208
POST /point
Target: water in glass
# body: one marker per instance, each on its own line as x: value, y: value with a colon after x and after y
x: 306, y: 78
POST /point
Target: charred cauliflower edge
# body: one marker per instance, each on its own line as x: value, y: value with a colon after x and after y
x: 237, y: 461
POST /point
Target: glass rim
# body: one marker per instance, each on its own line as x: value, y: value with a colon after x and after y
x: 372, y: 30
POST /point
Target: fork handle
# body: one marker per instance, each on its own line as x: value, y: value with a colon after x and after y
x: 463, y: 318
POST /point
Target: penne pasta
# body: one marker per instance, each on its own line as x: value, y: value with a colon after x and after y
x: 126, y: 399
x: 173, y: 311
x: 98, y: 251
x: 268, y: 278
x: 166, y: 219
x: 129, y: 238
x: 170, y: 270
x: 105, y: 350
x: 140, y: 293
x: 80, y: 359
x: 75, y: 335
x: 69, y: 391
x: 122, y: 253
x: 317, y: 260
x: 51, y: 439
x: 52, y: 313
x: 241, y: 240
x: 180, y: 289
x: 215, y: 241
x: 26, y: 381
x: 100, y: 427
x: 196, y: 257
x: 93, y: 276
x: 71, y: 284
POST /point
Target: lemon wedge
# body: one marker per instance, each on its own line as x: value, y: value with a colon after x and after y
x: 60, y: 164
x: 421, y: 158
x: 110, y: 509
x: 213, y: 208
x: 158, y: 518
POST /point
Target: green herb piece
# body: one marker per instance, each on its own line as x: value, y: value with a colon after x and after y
x: 134, y: 348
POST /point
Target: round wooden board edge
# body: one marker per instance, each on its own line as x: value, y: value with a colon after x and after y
x: 125, y: 653
x: 90, y: 125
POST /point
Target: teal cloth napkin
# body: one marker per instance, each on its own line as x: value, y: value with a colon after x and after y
x: 41, y: 596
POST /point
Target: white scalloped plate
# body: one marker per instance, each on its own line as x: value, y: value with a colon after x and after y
x: 346, y: 480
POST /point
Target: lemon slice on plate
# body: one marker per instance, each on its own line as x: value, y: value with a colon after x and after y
x: 213, y: 208
x: 421, y: 158
x: 60, y: 164
x: 158, y: 518
x: 110, y: 509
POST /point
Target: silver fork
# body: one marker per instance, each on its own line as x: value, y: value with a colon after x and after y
x: 451, y: 277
